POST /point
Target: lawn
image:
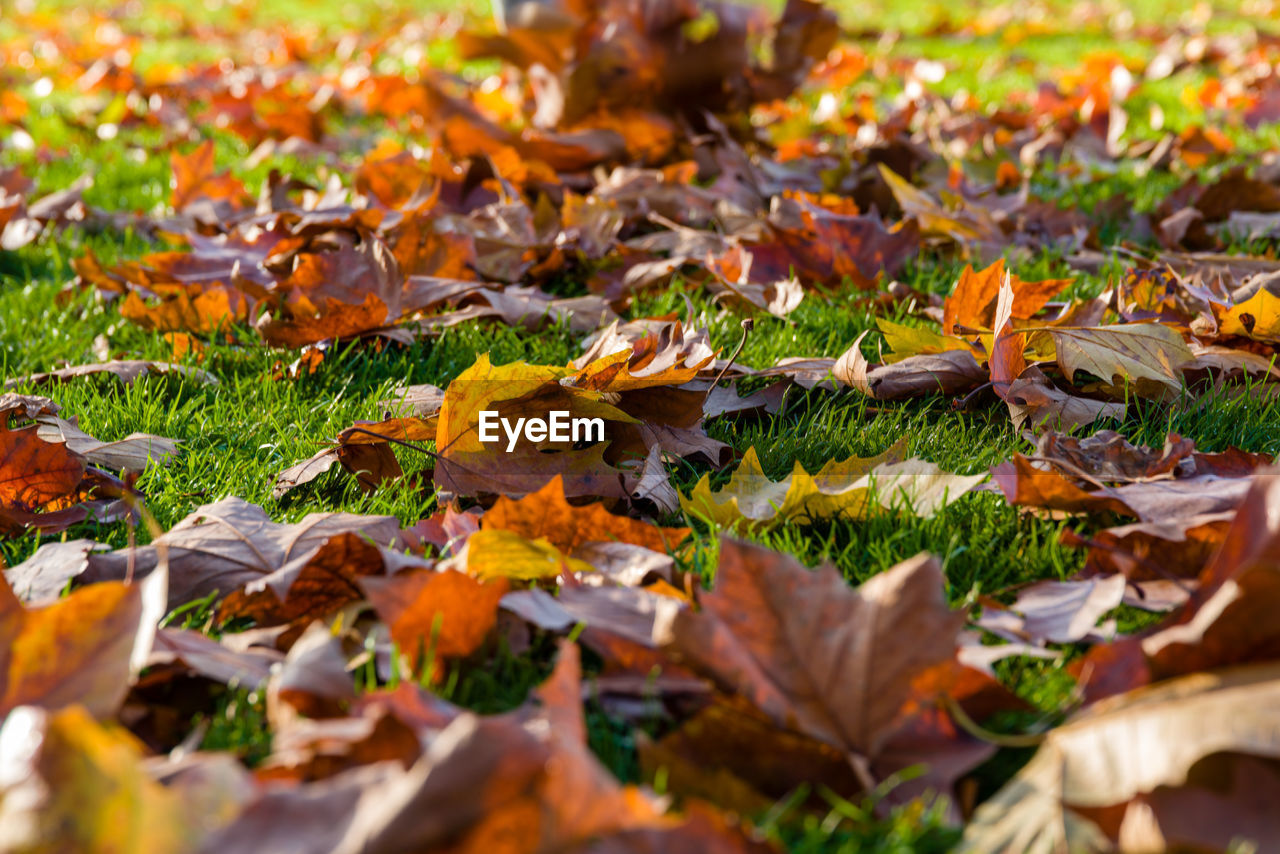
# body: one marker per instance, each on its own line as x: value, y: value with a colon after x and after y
x: 272, y: 407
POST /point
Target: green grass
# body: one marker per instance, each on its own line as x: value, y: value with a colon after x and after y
x: 239, y: 433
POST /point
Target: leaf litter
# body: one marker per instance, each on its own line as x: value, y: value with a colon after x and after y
x: 627, y: 149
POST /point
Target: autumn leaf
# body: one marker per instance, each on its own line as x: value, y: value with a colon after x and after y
x: 80, y: 650
x: 493, y: 554
x: 79, y: 785
x: 519, y: 391
x: 1134, y: 352
x: 1056, y: 611
x: 35, y: 474
x: 224, y: 546
x: 548, y: 515
x: 1121, y: 753
x: 839, y: 489
x: 947, y: 372
x: 127, y: 371
x: 972, y: 305
x: 314, y: 584
x: 439, y: 615
x: 814, y: 655
x: 194, y: 180
x: 965, y: 226
x: 1258, y: 317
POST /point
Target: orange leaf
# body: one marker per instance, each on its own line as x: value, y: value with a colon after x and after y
x: 548, y: 515
x: 81, y: 649
x: 33, y: 472
x: 973, y: 303
x: 448, y: 613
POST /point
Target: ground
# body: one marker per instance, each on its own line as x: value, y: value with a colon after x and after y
x: 238, y: 434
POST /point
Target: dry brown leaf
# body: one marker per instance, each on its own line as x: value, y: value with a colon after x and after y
x: 1133, y: 352
x: 1116, y: 751
x: 221, y: 547
x: 814, y: 655
x: 948, y: 373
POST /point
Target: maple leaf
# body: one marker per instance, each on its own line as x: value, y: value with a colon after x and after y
x: 968, y: 225
x: 202, y: 655
x: 827, y: 247
x: 1008, y: 360
x: 80, y: 785
x: 412, y: 603
x: 547, y: 514
x: 194, y: 181
x: 948, y: 372
x: 1074, y: 475
x: 972, y: 305
x: 34, y: 473
x: 1135, y: 352
x: 83, y: 649
x: 1257, y: 317
x: 815, y: 656
x: 1222, y: 623
x: 1033, y: 399
x: 492, y: 554
x: 1056, y: 611
x: 315, y: 583
x: 1164, y: 555
x: 732, y: 283
x: 42, y: 577
x: 839, y: 489
x: 466, y: 466
x: 527, y: 777
x: 1126, y: 755
x: 224, y: 546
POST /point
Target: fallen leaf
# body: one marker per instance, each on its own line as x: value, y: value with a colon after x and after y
x: 1134, y: 352
x: 70, y: 783
x: 548, y: 515
x: 814, y: 655
x: 80, y: 650
x: 1114, y: 752
x: 840, y: 489
x: 493, y: 554
x: 224, y: 546
x: 972, y: 305
x: 1056, y: 611
x: 127, y: 371
x: 946, y: 373
x: 439, y: 615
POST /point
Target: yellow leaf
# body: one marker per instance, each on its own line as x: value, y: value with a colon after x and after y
x: 840, y: 489
x: 72, y: 784
x: 907, y: 341
x: 501, y: 554
x: 515, y: 390
x: 969, y: 224
x: 1258, y: 318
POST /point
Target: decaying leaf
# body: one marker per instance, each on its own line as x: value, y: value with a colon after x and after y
x: 435, y: 615
x: 547, y: 514
x: 70, y: 783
